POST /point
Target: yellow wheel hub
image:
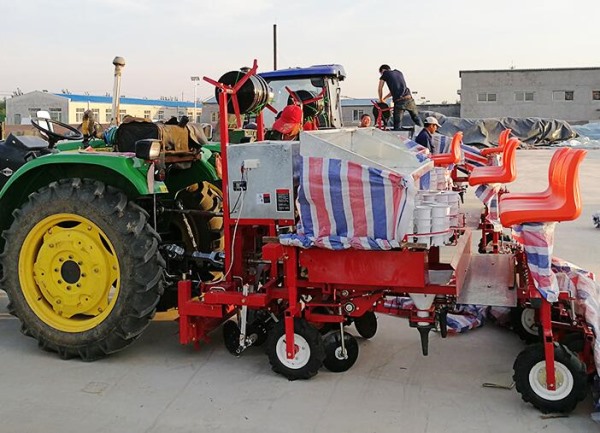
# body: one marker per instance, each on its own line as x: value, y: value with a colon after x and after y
x: 69, y: 272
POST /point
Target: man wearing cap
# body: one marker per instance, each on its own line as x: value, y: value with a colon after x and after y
x: 424, y: 137
x: 400, y: 94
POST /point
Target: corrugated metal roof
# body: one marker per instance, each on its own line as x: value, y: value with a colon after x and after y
x: 591, y: 68
x: 130, y: 101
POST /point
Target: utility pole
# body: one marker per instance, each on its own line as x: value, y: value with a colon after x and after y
x: 274, y: 47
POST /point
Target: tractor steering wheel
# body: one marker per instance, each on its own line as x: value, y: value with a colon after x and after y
x: 54, y: 137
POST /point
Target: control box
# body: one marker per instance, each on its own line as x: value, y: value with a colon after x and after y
x: 263, y: 179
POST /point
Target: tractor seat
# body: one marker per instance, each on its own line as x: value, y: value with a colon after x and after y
x: 555, y: 174
x: 505, y: 173
x: 563, y: 204
x: 446, y: 159
x: 502, y: 140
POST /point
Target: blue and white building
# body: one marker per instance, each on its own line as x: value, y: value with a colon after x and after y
x: 69, y: 108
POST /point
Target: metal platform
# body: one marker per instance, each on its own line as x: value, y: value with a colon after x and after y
x: 489, y: 281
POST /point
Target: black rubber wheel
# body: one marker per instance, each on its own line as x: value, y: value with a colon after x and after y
x: 231, y: 337
x: 334, y: 360
x: 310, y: 352
x: 523, y: 322
x: 258, y: 329
x: 530, y: 379
x: 366, y: 325
x: 82, y: 269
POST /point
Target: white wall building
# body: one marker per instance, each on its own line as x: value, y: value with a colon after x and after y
x: 571, y: 94
x: 69, y: 108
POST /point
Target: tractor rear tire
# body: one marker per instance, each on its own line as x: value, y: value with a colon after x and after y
x: 82, y: 269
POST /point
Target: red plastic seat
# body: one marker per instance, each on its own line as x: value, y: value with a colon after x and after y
x: 502, y: 140
x: 446, y: 159
x: 564, y: 203
x: 505, y: 173
x: 555, y: 173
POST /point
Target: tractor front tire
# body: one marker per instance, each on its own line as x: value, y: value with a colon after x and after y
x: 82, y: 269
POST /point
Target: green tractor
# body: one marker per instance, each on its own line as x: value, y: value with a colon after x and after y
x: 96, y: 233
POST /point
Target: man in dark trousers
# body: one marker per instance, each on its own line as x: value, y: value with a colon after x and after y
x: 400, y: 94
x: 424, y: 137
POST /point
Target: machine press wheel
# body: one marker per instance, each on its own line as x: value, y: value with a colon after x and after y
x: 366, y: 325
x: 524, y: 323
x: 335, y: 360
x: 231, y: 337
x: 309, y: 350
x: 530, y: 379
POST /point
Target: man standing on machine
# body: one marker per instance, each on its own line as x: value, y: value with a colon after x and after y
x: 400, y: 94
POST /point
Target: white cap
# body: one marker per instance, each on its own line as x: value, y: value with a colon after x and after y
x: 431, y: 121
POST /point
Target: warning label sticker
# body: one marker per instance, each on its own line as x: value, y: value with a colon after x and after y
x: 284, y: 202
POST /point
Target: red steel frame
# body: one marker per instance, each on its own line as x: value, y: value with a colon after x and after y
x: 362, y: 277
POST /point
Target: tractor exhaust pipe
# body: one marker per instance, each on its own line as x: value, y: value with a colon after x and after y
x: 119, y: 63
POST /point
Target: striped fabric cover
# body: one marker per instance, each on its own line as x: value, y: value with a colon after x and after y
x: 344, y: 205
x: 582, y: 286
x: 538, y: 241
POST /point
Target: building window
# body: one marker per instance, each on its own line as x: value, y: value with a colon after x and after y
x: 96, y: 112
x: 122, y: 114
x: 356, y: 115
x: 56, y: 114
x: 147, y: 114
x: 486, y: 97
x: 563, y: 95
x: 17, y: 119
x: 214, y: 117
x: 596, y: 95
x: 108, y: 115
x: 161, y: 115
x: 524, y: 96
x: 79, y: 115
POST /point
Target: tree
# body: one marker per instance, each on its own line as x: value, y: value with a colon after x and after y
x: 3, y: 110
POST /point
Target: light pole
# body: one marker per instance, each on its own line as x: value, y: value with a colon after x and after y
x: 195, y: 80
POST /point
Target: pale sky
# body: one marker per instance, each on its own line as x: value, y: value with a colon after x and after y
x: 68, y: 44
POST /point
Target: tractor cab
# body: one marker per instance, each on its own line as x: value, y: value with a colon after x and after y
x: 319, y: 84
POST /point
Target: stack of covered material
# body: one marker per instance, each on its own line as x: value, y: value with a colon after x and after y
x: 356, y: 191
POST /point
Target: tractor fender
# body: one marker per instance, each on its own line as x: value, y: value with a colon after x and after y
x: 123, y: 172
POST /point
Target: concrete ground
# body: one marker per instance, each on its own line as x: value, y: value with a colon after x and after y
x: 156, y: 385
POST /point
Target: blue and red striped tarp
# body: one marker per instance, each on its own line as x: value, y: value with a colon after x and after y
x: 538, y: 241
x: 344, y: 205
